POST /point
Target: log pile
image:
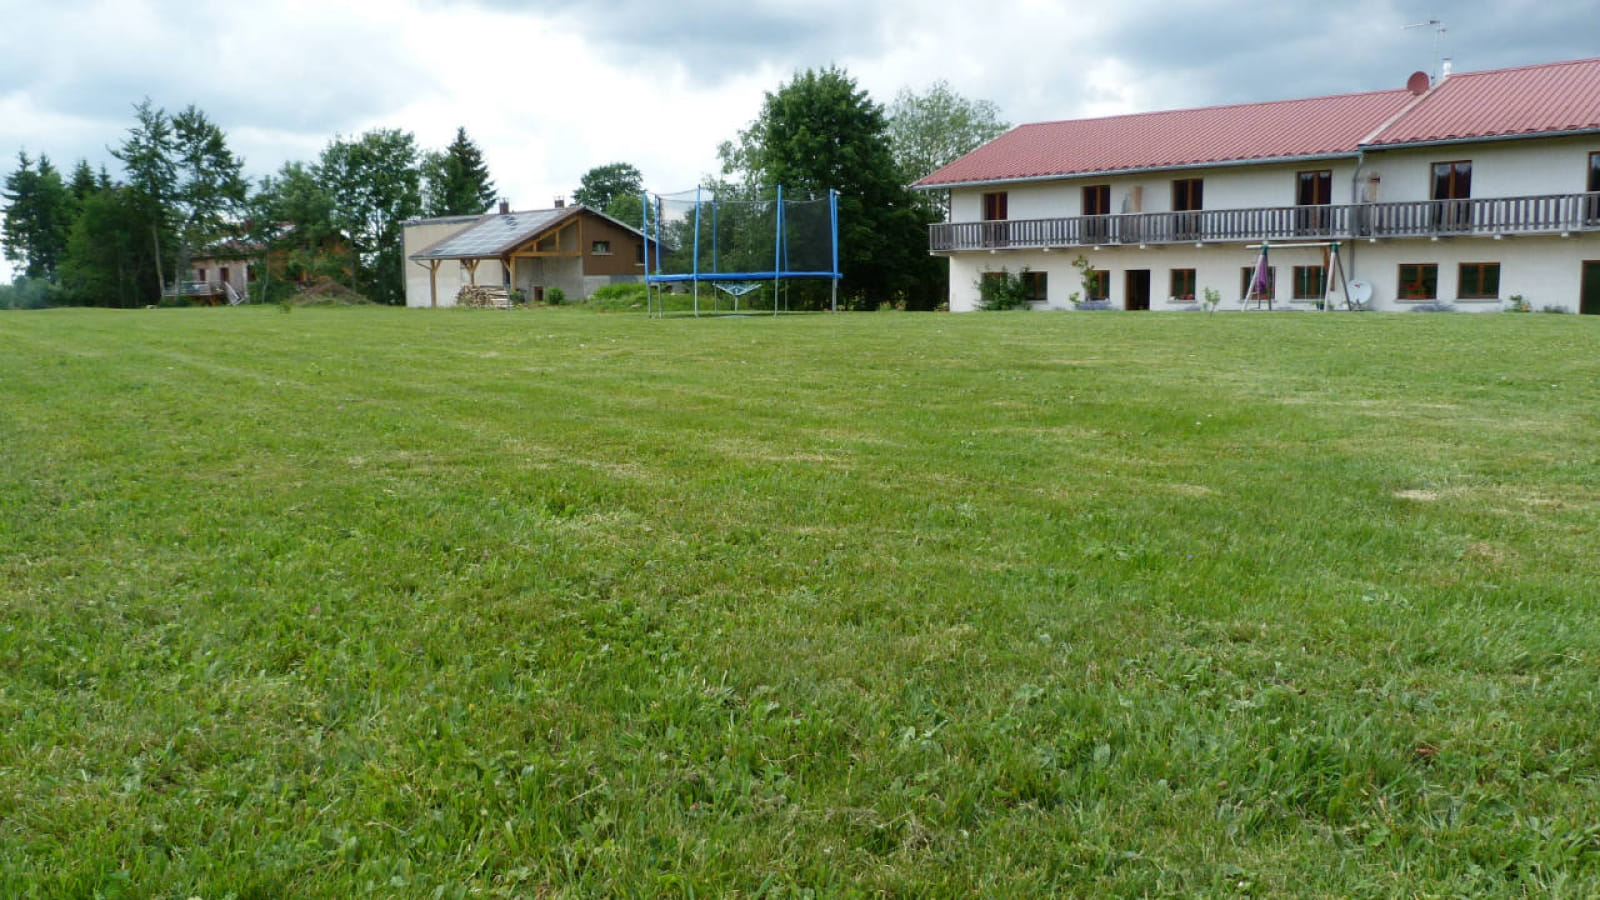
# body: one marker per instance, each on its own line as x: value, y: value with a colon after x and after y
x: 483, y: 296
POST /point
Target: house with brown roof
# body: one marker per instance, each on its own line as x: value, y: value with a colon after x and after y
x: 1466, y: 191
x: 573, y: 248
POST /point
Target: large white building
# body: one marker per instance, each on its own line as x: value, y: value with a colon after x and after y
x: 1470, y: 191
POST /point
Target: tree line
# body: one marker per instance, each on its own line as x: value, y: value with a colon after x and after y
x: 91, y: 238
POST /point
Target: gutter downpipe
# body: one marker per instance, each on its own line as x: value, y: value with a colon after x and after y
x: 1355, y: 202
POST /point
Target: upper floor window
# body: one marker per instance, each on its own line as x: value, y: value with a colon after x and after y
x: 1188, y: 194
x: 994, y: 206
x: 1452, y: 180
x: 1314, y: 188
x: 600, y: 248
x: 1097, y: 200
x: 1594, y: 171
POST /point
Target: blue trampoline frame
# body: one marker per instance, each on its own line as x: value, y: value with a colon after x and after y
x: 780, y: 271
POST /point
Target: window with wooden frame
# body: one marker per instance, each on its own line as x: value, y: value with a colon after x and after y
x: 1098, y: 284
x: 199, y: 274
x: 1188, y: 194
x: 1592, y: 207
x: 600, y: 248
x: 1452, y: 180
x: 1418, y: 281
x: 1479, y: 281
x: 1097, y: 200
x: 1035, y: 285
x: 1314, y: 188
x: 1182, y: 284
x: 994, y: 206
x: 1247, y: 273
x: 1310, y: 283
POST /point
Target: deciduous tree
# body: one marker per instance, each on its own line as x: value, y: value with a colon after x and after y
x: 602, y: 184
x: 375, y: 186
x: 933, y: 128
x: 821, y: 131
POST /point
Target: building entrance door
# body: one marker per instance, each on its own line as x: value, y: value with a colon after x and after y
x: 1138, y: 289
x: 1589, y: 299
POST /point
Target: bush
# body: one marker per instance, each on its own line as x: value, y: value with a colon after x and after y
x: 1002, y: 290
x: 555, y: 297
x: 27, y: 293
x: 619, y: 295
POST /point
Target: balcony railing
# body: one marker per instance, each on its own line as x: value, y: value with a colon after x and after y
x: 1490, y: 216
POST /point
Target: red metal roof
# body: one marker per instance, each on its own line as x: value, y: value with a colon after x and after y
x: 1287, y: 128
x: 1544, y: 99
x: 1554, y: 97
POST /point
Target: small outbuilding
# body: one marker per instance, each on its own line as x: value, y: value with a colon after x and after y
x: 574, y: 248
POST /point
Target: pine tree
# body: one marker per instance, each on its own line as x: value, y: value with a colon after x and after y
x: 456, y: 181
x: 38, y: 217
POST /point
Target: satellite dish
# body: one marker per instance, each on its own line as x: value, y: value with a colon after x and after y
x: 1360, y: 291
x: 1417, y: 83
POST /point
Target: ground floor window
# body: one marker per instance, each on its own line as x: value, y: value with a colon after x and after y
x: 1182, y: 284
x: 1098, y: 283
x: 1034, y: 286
x: 250, y: 273
x: 1270, y: 292
x: 1479, y: 281
x: 1310, y: 283
x: 1418, y: 281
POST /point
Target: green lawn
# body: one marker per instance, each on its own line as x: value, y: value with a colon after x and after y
x: 354, y: 602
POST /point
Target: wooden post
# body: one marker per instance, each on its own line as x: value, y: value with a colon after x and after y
x: 433, y: 283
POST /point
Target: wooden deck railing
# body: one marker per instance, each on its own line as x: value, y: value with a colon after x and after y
x: 1546, y: 214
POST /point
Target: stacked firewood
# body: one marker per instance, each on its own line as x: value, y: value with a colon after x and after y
x: 483, y: 297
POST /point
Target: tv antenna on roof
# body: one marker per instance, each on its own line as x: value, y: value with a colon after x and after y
x: 1438, y: 35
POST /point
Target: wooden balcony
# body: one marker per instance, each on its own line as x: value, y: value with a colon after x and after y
x: 1487, y: 217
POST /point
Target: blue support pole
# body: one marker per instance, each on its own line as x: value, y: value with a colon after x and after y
x: 777, y: 252
x: 833, y: 219
x: 696, y: 268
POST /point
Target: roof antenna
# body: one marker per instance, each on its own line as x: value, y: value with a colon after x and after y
x: 1438, y: 34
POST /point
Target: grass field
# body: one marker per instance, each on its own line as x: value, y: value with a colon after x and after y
x: 358, y: 602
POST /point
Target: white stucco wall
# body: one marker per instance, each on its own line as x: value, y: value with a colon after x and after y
x: 1512, y: 168
x: 1546, y: 271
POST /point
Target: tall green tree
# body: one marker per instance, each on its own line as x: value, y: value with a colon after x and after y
x: 456, y: 182
x: 603, y: 184
x: 933, y: 128
x: 375, y: 185
x: 292, y: 221
x: 109, y: 261
x: 821, y: 131
x: 38, y: 217
x: 209, y: 190
x: 149, y: 159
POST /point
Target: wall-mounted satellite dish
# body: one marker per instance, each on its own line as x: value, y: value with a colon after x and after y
x: 1360, y: 291
x: 1417, y: 83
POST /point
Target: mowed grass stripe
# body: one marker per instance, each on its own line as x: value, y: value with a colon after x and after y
x: 399, y: 603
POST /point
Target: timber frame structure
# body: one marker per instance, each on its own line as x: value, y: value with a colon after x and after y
x: 567, y: 247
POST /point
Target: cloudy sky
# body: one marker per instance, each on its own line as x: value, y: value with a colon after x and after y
x: 549, y: 89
